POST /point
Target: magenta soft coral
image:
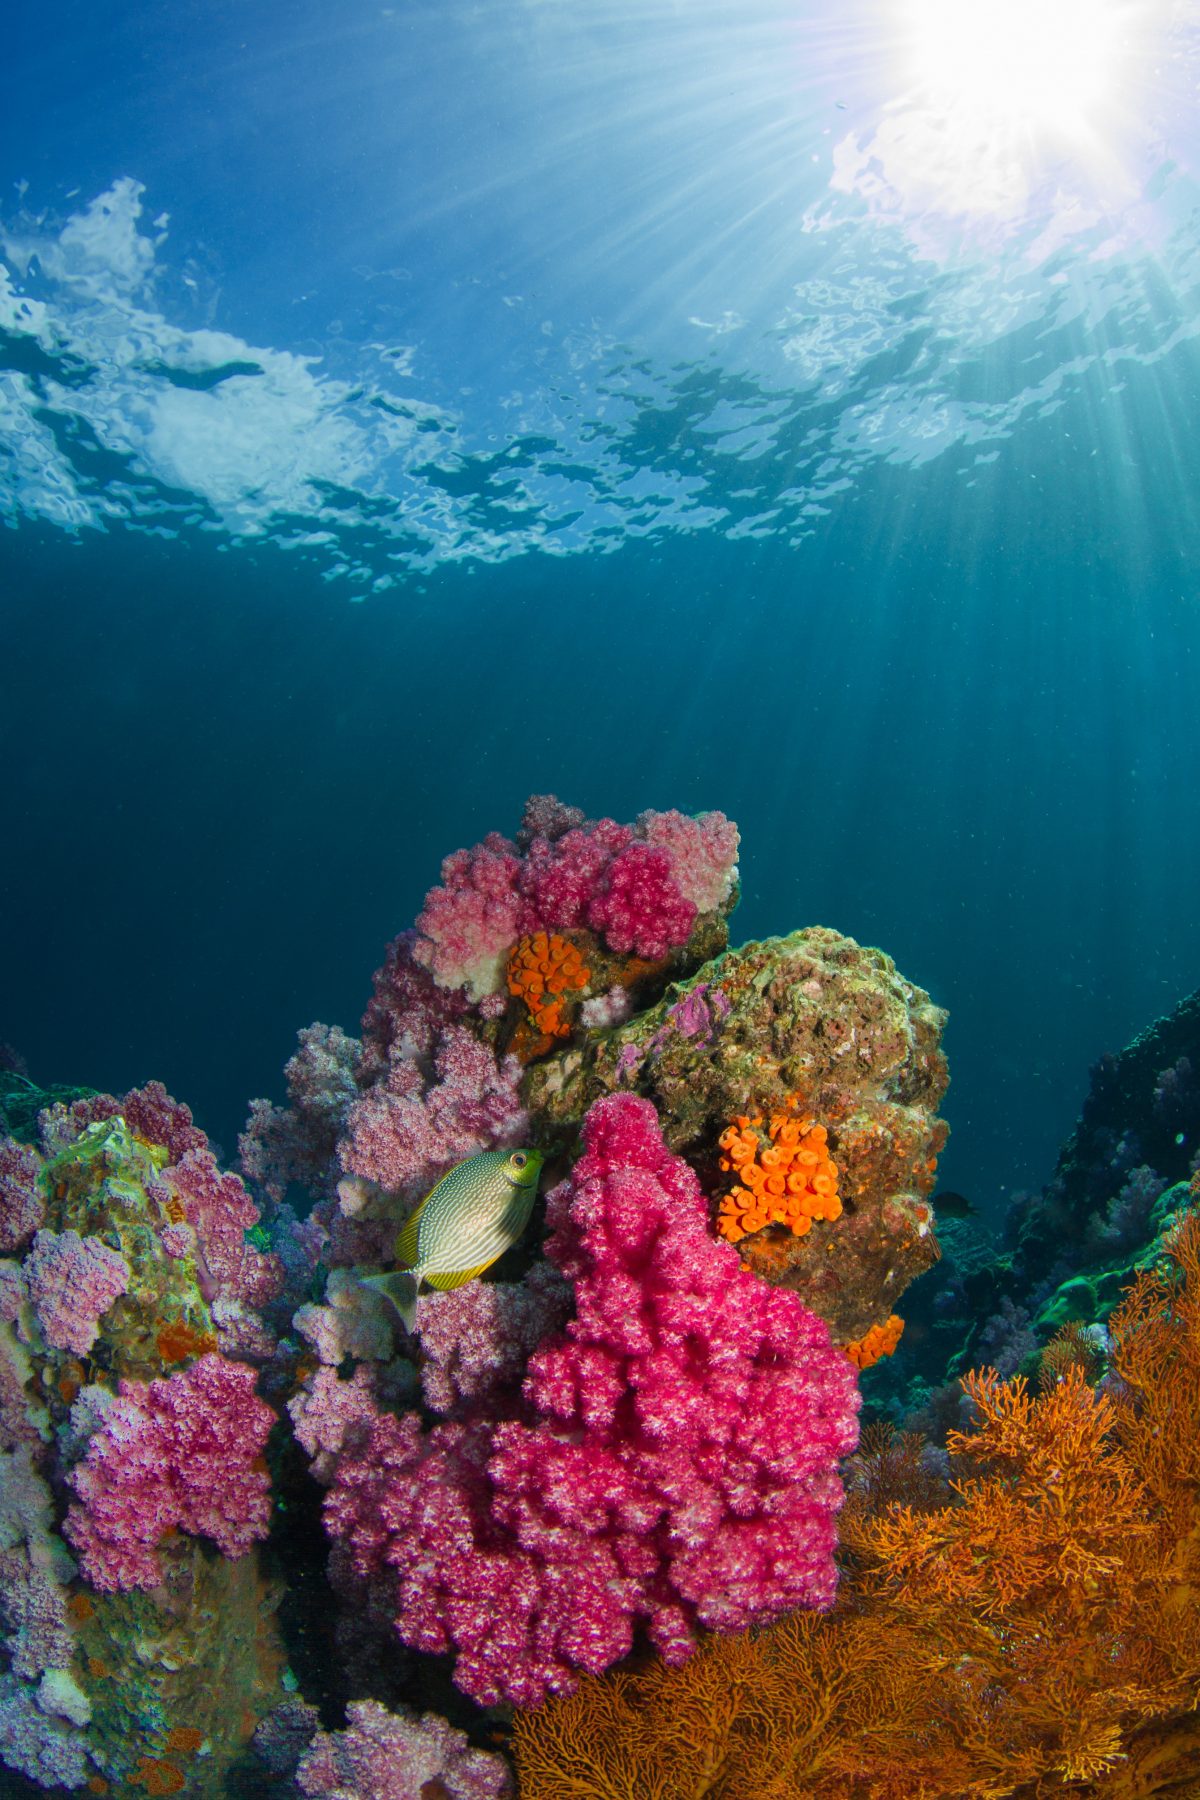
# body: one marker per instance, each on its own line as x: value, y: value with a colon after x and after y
x: 637, y: 907
x: 562, y: 875
x: 180, y: 1453
x: 673, y: 1461
x: 640, y: 887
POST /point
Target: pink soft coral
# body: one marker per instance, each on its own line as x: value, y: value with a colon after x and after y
x: 703, y: 851
x: 22, y: 1206
x: 220, y: 1212
x: 674, y: 1459
x: 183, y: 1453
x: 72, y: 1281
x: 468, y: 924
x: 399, y: 1755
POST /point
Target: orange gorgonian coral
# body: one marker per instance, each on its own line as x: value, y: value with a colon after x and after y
x: 1072, y: 1347
x: 542, y: 970
x: 790, y: 1180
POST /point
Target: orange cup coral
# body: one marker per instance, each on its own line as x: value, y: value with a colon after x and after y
x: 177, y: 1341
x: 879, y: 1341
x: 542, y: 970
x: 790, y: 1180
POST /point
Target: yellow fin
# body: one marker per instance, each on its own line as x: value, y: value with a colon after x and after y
x: 457, y: 1278
x: 406, y: 1239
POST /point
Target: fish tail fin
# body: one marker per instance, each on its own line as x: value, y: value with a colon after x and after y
x: 401, y: 1287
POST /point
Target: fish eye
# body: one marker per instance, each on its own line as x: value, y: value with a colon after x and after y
x: 519, y: 1159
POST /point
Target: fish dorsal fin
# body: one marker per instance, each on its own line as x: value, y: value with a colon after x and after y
x: 406, y: 1239
x: 456, y: 1278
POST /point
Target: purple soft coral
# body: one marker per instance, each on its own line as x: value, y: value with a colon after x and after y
x: 411, y: 1126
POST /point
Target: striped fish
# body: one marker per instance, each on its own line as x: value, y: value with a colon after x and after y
x: 470, y: 1218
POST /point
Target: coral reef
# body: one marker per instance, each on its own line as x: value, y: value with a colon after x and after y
x: 256, y: 1536
x: 612, y: 1487
x: 132, y: 1479
x: 672, y: 1459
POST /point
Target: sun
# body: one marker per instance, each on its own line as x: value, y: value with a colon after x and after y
x: 1006, y: 119
x: 1038, y: 65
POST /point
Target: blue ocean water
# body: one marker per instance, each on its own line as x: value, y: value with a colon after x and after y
x: 404, y: 409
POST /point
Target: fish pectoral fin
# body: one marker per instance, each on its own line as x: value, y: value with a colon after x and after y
x: 456, y: 1278
x: 400, y: 1286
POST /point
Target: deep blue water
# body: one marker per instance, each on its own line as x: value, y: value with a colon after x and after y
x: 403, y: 414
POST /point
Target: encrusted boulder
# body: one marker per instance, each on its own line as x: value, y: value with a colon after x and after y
x: 814, y: 1024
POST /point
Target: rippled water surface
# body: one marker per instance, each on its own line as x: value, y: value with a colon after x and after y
x: 403, y: 408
